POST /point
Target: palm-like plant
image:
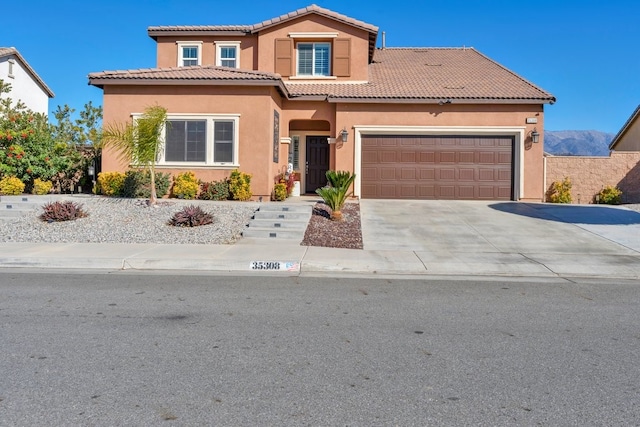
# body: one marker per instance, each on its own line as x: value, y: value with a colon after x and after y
x: 139, y: 142
x: 336, y: 194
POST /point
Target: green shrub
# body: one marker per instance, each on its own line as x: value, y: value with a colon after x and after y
x: 240, y: 185
x: 214, y: 190
x: 185, y: 186
x: 110, y: 183
x: 280, y: 192
x: 41, y: 187
x: 191, y: 216
x: 336, y: 194
x: 62, y: 211
x: 11, y: 186
x: 137, y: 184
x: 609, y: 196
x: 560, y: 191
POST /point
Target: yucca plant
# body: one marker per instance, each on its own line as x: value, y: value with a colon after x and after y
x: 62, y: 211
x: 191, y: 216
x: 335, y: 195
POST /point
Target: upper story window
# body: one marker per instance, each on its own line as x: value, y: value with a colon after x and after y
x: 314, y: 59
x: 228, y: 54
x: 189, y: 53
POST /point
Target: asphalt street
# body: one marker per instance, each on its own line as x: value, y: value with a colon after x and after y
x: 149, y: 349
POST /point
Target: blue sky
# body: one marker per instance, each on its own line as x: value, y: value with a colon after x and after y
x: 584, y: 52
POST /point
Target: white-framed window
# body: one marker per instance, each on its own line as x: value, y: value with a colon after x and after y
x: 313, y: 59
x: 189, y: 53
x: 228, y: 54
x: 200, y: 140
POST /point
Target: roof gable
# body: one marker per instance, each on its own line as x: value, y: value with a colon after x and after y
x: 228, y: 30
x: 13, y: 52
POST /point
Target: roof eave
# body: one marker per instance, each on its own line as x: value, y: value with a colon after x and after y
x: 100, y: 82
x: 616, y: 139
x: 154, y: 34
x: 439, y: 101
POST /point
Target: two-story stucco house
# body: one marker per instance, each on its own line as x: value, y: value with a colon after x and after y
x: 26, y: 85
x: 311, y: 88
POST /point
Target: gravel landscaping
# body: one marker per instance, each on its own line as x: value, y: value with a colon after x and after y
x: 118, y: 220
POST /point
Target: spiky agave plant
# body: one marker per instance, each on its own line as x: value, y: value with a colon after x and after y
x: 191, y: 216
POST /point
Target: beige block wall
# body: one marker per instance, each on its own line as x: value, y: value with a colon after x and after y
x: 590, y: 174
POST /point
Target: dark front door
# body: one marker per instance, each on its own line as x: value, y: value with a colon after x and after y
x: 317, y: 163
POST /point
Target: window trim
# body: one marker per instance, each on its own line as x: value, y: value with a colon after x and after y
x: 313, y: 73
x: 220, y: 45
x: 11, y: 62
x: 183, y: 44
x: 209, y: 163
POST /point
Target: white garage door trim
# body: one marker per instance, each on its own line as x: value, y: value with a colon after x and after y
x: 517, y: 132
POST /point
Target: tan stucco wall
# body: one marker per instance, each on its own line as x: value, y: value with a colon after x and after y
x: 630, y: 140
x: 167, y: 50
x: 590, y: 174
x: 314, y: 23
x: 254, y: 104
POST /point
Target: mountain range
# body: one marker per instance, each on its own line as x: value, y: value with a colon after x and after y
x: 577, y: 142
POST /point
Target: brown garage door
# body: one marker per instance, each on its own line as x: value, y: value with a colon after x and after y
x: 437, y: 167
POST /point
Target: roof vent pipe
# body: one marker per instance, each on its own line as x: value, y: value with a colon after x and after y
x: 384, y: 40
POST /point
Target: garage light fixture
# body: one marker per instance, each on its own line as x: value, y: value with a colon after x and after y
x: 344, y: 135
x: 535, y: 136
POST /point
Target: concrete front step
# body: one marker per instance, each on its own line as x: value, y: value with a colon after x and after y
x: 279, y: 221
x: 16, y: 206
x: 278, y: 207
x: 275, y: 223
x: 273, y: 233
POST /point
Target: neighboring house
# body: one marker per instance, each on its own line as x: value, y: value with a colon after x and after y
x: 589, y: 174
x: 26, y: 85
x: 628, y: 138
x: 310, y: 88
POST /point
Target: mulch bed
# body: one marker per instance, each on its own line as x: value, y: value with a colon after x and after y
x: 321, y: 231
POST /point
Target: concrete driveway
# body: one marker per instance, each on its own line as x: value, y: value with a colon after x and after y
x: 561, y: 237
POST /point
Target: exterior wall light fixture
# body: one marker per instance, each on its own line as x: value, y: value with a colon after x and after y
x: 344, y: 135
x: 535, y: 136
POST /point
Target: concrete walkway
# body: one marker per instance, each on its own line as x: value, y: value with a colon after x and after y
x: 423, y: 238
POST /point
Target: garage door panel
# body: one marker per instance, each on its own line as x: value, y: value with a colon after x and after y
x: 436, y: 167
x: 447, y: 156
x: 408, y: 157
x: 427, y: 174
x: 427, y: 157
x: 387, y: 174
x: 447, y: 174
x: 408, y: 174
x: 387, y: 157
x: 466, y: 174
x: 466, y: 157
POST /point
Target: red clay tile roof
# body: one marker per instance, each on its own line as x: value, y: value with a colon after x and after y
x: 194, y: 75
x: 317, y: 10
x: 430, y: 75
x: 12, y: 51
x: 203, y: 30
